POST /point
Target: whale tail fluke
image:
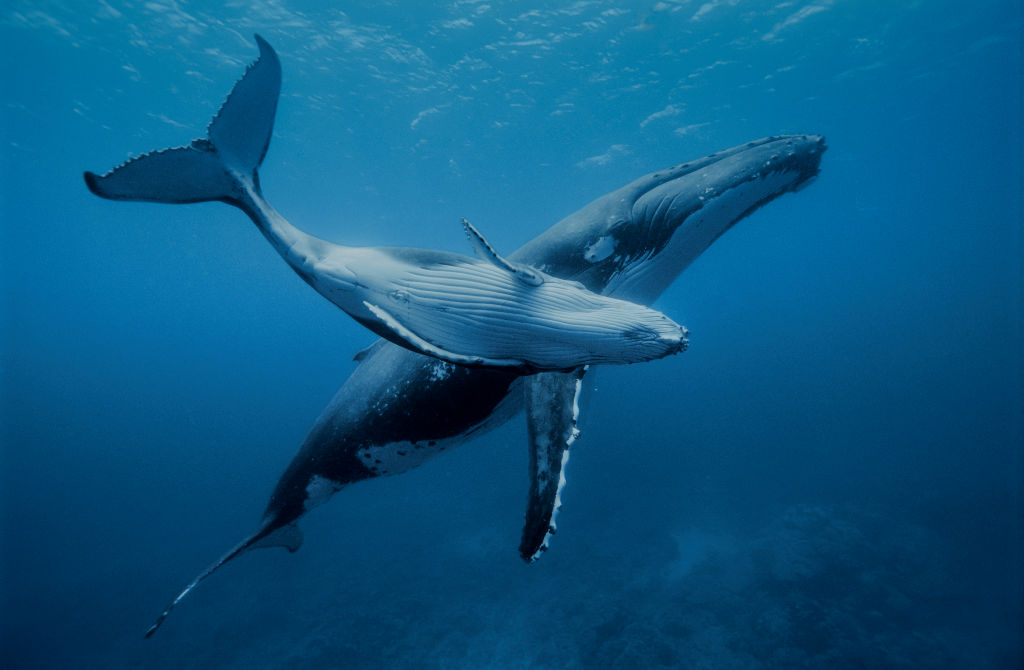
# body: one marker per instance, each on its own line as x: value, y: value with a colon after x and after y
x: 216, y: 167
x: 271, y: 533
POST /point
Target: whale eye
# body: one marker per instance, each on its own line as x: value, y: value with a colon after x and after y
x: 399, y: 295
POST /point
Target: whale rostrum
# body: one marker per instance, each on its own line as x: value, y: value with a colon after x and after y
x: 398, y: 408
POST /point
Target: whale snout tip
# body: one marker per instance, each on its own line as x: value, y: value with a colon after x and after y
x: 684, y: 340
x: 658, y: 342
x: 817, y: 142
x: 677, y: 341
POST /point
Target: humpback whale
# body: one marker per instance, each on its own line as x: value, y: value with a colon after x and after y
x: 488, y: 311
x: 399, y: 409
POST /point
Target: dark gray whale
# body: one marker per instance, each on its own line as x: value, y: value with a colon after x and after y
x: 399, y: 408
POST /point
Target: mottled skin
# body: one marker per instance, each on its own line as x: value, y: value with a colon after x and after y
x: 397, y: 397
x: 400, y: 408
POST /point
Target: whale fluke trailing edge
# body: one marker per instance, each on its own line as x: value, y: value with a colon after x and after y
x: 399, y: 409
x: 236, y: 141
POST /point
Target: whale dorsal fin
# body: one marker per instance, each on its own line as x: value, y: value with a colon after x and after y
x: 484, y: 250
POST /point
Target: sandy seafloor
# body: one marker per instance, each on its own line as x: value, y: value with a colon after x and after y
x: 830, y: 476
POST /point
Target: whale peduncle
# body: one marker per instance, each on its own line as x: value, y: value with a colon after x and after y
x: 299, y: 249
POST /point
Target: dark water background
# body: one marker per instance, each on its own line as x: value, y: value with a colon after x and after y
x: 830, y: 477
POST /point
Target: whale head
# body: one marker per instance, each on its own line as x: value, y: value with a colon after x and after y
x: 633, y: 242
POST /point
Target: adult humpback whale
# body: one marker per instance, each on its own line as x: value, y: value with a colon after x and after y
x: 486, y: 312
x: 398, y: 409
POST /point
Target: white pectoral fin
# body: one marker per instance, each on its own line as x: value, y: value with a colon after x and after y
x: 552, y: 415
x: 485, y: 251
x: 410, y: 340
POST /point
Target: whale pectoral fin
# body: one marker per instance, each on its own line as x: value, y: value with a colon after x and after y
x: 485, y: 251
x: 483, y: 248
x: 399, y: 334
x: 552, y: 413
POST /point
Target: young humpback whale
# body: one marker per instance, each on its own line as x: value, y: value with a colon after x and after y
x: 397, y: 410
x: 485, y: 311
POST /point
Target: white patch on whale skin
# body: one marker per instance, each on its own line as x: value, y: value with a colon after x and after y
x: 645, y: 277
x: 318, y: 491
x: 440, y: 371
x: 601, y: 249
x: 397, y: 457
x: 576, y: 409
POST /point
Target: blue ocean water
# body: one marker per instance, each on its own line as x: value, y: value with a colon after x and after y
x: 831, y: 476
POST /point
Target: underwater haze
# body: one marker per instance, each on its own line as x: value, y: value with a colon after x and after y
x: 829, y: 477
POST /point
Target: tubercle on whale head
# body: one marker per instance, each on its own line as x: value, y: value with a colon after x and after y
x: 803, y: 152
x: 813, y: 165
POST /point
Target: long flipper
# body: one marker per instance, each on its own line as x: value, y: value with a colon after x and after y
x: 417, y: 343
x: 485, y: 251
x: 552, y: 414
x: 213, y: 167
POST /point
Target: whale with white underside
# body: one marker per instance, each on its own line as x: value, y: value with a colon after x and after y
x: 399, y: 409
x: 486, y: 311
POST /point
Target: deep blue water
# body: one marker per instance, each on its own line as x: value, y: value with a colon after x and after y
x: 831, y: 476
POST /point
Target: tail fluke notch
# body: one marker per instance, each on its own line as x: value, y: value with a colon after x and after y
x: 211, y: 168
